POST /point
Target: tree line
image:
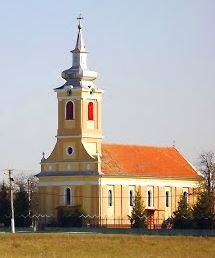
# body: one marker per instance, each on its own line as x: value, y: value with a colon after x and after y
x: 25, y: 199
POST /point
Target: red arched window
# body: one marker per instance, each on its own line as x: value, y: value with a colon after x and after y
x: 69, y: 111
x: 90, y: 111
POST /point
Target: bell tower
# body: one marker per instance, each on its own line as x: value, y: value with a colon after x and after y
x: 79, y: 134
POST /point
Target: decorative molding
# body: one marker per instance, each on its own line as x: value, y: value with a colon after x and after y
x: 142, y: 182
x: 68, y: 183
x: 123, y: 183
x: 90, y: 97
x: 79, y: 136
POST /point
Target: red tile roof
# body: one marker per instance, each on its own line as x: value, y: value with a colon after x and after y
x: 145, y: 161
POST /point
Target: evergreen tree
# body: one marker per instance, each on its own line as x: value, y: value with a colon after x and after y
x: 5, y: 209
x: 182, y: 217
x: 138, y: 214
x: 203, y: 211
x: 21, y: 207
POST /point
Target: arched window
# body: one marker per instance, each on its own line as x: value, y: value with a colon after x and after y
x: 186, y: 195
x: 110, y: 198
x: 90, y: 111
x: 167, y: 199
x: 149, y: 198
x: 131, y: 198
x: 70, y: 111
x: 68, y: 196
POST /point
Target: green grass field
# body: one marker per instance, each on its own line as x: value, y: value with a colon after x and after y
x: 97, y: 245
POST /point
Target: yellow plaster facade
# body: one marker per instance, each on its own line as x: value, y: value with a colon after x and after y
x: 75, y: 162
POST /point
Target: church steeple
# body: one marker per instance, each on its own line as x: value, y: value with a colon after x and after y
x: 79, y: 133
x: 80, y: 41
x: 79, y: 75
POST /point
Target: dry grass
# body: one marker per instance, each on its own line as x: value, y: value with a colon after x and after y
x: 100, y: 246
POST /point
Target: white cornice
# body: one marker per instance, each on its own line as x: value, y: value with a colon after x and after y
x: 68, y: 183
x: 90, y: 97
x: 79, y: 136
x: 157, y: 182
x: 70, y: 161
x: 122, y: 182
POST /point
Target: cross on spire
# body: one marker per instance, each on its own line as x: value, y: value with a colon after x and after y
x: 79, y: 21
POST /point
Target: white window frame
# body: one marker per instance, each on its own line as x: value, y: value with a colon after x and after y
x: 167, y: 199
x: 65, y: 196
x: 151, y: 198
x: 108, y: 198
x: 93, y: 110
x: 73, y: 110
x: 67, y: 153
x: 131, y: 202
x: 185, y: 192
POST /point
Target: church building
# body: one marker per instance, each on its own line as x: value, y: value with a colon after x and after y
x: 103, y: 178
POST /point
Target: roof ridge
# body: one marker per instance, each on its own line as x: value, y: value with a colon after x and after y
x: 139, y: 145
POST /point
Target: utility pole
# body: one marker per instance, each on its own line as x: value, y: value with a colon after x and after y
x: 29, y: 197
x: 11, y: 201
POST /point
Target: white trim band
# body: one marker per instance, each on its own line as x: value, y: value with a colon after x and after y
x: 123, y: 183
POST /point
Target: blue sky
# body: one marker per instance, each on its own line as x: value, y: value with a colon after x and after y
x: 155, y: 61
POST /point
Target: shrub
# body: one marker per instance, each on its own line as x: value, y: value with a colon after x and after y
x: 203, y: 211
x: 182, y: 217
x: 69, y: 216
x: 167, y: 224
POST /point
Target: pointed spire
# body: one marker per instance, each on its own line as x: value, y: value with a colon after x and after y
x: 80, y: 41
x: 79, y: 75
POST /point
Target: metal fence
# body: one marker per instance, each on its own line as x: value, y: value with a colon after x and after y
x: 128, y: 231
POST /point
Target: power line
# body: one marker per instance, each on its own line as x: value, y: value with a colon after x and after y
x: 116, y: 197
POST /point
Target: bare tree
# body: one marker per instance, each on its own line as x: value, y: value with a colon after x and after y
x: 207, y: 169
x: 29, y: 183
x: 33, y: 194
x: 207, y: 193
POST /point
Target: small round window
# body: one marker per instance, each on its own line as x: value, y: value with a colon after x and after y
x: 69, y: 150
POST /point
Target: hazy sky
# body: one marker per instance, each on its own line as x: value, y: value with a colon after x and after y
x: 155, y: 59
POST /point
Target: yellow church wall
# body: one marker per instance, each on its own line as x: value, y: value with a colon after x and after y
x: 178, y: 194
x: 42, y: 202
x: 121, y: 208
x: 118, y: 203
x: 87, y: 200
x: 161, y: 202
x: 80, y: 153
x: 70, y: 124
x: 86, y: 192
x: 65, y: 126
x: 49, y: 196
x: 80, y: 124
x: 143, y: 191
x: 173, y: 203
x: 74, y: 145
x: 156, y: 201
x: 95, y: 200
x: 53, y: 197
x: 103, y: 201
x: 125, y: 204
